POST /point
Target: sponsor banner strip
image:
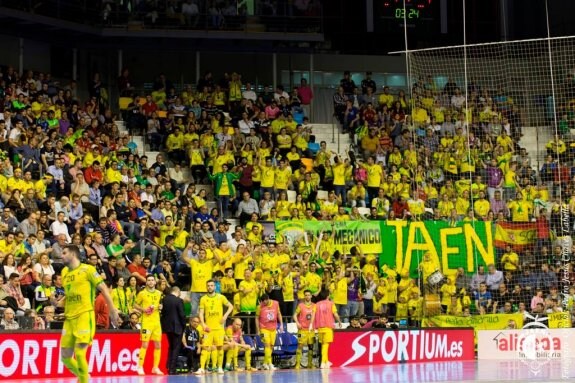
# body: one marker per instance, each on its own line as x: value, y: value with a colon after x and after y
x: 357, y: 348
x: 27, y: 355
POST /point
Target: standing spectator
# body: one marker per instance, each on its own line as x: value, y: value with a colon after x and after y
x: 173, y: 321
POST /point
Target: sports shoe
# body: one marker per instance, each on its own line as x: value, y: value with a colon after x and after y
x: 200, y: 371
x: 238, y: 369
x: 272, y: 367
x: 265, y: 367
x: 157, y: 371
x: 220, y: 370
x: 141, y: 371
x: 228, y: 368
x: 322, y: 365
x: 252, y: 369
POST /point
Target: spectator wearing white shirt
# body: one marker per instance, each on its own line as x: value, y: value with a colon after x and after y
x: 148, y: 195
x: 177, y: 175
x: 59, y: 227
x: 15, y: 133
x: 8, y: 322
x: 236, y: 241
x: 279, y: 93
x: 245, y: 124
x: 249, y: 94
x: 246, y: 208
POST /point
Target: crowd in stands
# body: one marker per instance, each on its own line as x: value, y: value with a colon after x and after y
x: 69, y: 176
x: 184, y: 14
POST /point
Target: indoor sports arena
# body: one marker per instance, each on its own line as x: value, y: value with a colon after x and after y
x: 258, y: 191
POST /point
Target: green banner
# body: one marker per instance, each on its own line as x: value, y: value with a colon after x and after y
x: 466, y: 245
x: 401, y: 244
x: 347, y: 233
x: 478, y: 322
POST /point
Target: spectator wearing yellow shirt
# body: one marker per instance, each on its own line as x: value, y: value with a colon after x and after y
x: 416, y: 206
x: 282, y: 178
x: 419, y: 115
x: 510, y: 259
x: 267, y: 172
x: 175, y: 145
x: 504, y: 141
x: 369, y: 143
x: 510, y: 184
x: 556, y: 147
x: 341, y: 215
x: 520, y: 209
x: 428, y: 266
x: 113, y: 174
x: 385, y: 98
x: 462, y: 204
x: 358, y: 194
x: 481, y: 206
x: 374, y: 176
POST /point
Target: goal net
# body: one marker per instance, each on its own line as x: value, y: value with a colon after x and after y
x: 502, y: 111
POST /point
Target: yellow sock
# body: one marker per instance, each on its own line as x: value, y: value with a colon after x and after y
x: 220, y: 358
x: 214, y: 358
x: 83, y: 373
x: 142, y: 356
x: 310, y: 356
x: 229, y: 357
x: 71, y: 365
x: 324, y: 351
x: 268, y: 355
x: 157, y: 357
x: 236, y: 352
x: 248, y: 356
x: 204, y: 358
x: 298, y: 357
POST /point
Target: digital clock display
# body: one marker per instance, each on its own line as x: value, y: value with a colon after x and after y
x: 401, y: 13
x: 414, y: 9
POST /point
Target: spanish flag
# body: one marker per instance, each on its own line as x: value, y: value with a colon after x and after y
x: 517, y: 234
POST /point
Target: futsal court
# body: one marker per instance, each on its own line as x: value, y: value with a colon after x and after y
x: 561, y: 370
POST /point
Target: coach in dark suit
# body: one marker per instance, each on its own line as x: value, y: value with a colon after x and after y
x: 173, y: 325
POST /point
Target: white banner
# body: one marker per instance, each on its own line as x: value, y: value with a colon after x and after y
x: 528, y: 344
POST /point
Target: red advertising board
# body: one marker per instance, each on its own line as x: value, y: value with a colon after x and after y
x: 37, y: 355
x: 358, y: 348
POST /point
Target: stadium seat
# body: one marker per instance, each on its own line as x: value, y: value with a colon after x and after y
x: 291, y: 194
x: 322, y: 195
x: 363, y: 211
x: 288, y: 343
x: 291, y: 328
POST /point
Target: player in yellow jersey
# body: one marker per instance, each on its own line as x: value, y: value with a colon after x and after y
x: 80, y: 282
x: 149, y: 303
x: 213, y: 319
x: 304, y: 318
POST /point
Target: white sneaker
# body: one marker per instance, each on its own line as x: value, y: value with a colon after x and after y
x: 141, y: 371
x: 265, y: 367
x: 272, y: 367
x: 157, y: 371
x: 220, y: 370
x: 200, y: 371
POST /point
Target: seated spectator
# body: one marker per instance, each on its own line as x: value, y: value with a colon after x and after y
x: 9, y: 322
